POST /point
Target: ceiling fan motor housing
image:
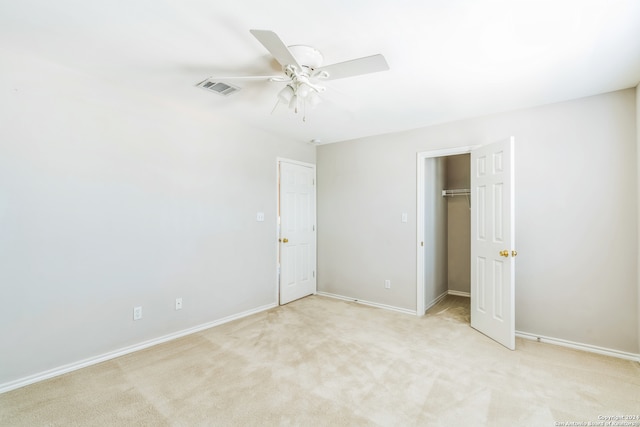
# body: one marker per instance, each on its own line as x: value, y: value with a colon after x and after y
x: 307, y: 56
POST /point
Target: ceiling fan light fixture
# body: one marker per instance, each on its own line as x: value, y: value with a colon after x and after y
x: 293, y: 103
x: 313, y: 99
x: 286, y: 94
x: 303, y: 90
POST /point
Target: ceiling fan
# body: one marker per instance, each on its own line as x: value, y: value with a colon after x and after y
x: 302, y: 70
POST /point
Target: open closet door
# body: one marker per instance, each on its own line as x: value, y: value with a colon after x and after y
x: 493, y: 242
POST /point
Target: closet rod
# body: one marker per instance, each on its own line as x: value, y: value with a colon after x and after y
x: 459, y: 192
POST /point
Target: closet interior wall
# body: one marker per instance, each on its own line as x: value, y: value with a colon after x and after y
x: 458, y: 225
x: 447, y: 228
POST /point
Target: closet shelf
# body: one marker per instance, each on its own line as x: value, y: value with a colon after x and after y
x: 457, y: 192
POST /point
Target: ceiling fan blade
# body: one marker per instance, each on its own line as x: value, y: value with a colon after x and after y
x: 276, y: 47
x: 354, y: 67
x: 265, y: 78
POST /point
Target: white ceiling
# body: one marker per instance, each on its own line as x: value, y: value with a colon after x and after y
x: 449, y: 59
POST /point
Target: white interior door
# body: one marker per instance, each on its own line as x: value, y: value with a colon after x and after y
x: 297, y: 231
x: 493, y: 242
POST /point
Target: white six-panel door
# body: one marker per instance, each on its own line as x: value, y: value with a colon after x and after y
x: 297, y: 238
x: 493, y: 242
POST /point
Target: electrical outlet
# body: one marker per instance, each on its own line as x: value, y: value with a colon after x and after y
x: 178, y: 303
x: 137, y: 313
x: 387, y: 284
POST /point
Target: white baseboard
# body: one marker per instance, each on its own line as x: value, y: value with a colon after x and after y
x: 369, y: 303
x: 459, y: 293
x: 525, y: 335
x: 564, y: 343
x: 444, y: 294
x: 435, y: 301
x: 12, y: 385
x: 579, y: 346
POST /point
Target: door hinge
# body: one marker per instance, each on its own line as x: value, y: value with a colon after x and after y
x: 421, y: 243
x: 314, y: 273
x: 313, y: 228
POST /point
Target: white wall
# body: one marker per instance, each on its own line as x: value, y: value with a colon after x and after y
x: 576, y: 215
x: 111, y: 199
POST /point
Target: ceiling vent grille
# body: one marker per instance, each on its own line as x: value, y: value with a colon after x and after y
x: 218, y: 87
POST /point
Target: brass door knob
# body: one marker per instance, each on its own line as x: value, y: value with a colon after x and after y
x: 504, y: 253
x: 285, y: 240
x: 514, y: 253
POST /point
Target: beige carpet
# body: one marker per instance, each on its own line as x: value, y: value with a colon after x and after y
x: 319, y: 361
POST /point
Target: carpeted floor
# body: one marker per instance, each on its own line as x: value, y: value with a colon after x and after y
x: 319, y: 361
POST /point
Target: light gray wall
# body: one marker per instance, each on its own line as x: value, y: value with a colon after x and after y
x: 112, y: 199
x: 576, y: 215
x: 435, y: 230
x: 458, y: 224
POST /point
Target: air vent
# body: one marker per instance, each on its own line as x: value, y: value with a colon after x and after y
x: 218, y: 87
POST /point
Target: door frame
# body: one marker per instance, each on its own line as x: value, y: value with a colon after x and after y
x: 420, y: 215
x: 315, y: 216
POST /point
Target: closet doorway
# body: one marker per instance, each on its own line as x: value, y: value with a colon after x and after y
x: 487, y: 275
x: 446, y: 242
